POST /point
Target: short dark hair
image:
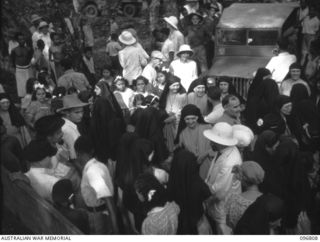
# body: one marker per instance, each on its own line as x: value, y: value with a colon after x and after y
x: 147, y: 182
x: 53, y: 34
x: 114, y: 36
x: 83, y: 145
x: 18, y: 34
x: 66, y: 63
x: 165, y: 31
x: 86, y: 49
x: 145, y: 80
x: 30, y: 84
x: 214, y: 93
x: 226, y: 100
x: 40, y: 44
x: 283, y: 44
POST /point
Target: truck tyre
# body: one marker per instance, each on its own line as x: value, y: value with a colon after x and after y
x: 130, y: 10
x: 91, y: 10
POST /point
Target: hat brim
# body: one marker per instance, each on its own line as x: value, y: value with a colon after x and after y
x: 133, y: 41
x: 35, y: 19
x: 169, y: 22
x: 76, y: 106
x: 190, y: 52
x: 219, y: 140
x: 195, y: 14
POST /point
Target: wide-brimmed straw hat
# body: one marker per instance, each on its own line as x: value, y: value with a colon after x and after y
x: 34, y: 17
x: 243, y: 134
x: 221, y: 133
x: 185, y: 48
x: 71, y: 101
x: 127, y: 38
x: 172, y: 20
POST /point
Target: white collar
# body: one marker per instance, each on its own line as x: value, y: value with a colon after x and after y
x: 70, y: 123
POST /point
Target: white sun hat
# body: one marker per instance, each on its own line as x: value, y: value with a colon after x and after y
x: 221, y: 133
x: 127, y: 38
x: 185, y: 48
x: 172, y: 20
x: 243, y: 134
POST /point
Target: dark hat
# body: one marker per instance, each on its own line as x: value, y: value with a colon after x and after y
x: 61, y: 191
x: 37, y: 150
x: 47, y: 125
x: 173, y: 79
x: 195, y: 83
x: 282, y: 100
x: 196, y: 14
x: 190, y: 109
x: 4, y: 96
x: 225, y: 79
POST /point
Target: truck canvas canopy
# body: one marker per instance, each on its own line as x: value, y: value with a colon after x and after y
x: 256, y: 15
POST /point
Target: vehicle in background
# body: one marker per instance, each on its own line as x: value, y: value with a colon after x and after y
x: 246, y: 37
x: 93, y: 8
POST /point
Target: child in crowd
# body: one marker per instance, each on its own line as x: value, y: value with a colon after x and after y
x: 139, y: 86
x: 124, y: 96
x: 160, y: 83
x: 123, y: 92
x: 107, y: 76
x: 26, y: 100
x: 45, y: 79
x: 39, y: 106
x: 112, y: 49
x: 162, y: 217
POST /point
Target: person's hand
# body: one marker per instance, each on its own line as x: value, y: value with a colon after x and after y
x: 202, y: 157
x: 304, y: 224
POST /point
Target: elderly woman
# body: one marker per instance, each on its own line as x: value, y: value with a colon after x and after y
x: 190, y: 136
x: 251, y: 175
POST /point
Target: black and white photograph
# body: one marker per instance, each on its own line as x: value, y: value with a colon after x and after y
x: 160, y: 117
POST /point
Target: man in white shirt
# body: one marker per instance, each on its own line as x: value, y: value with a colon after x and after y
x: 42, y: 179
x: 72, y: 114
x: 279, y: 65
x: 214, y: 95
x: 149, y: 71
x: 96, y: 189
x: 132, y: 57
x: 220, y: 177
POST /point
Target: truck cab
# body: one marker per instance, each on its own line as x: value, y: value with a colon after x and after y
x: 246, y: 37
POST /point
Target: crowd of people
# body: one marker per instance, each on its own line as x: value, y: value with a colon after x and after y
x: 155, y: 145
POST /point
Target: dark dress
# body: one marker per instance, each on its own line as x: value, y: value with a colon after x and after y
x: 255, y: 220
x: 78, y: 217
x: 261, y: 98
x: 149, y: 126
x: 188, y: 190
x: 291, y: 181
